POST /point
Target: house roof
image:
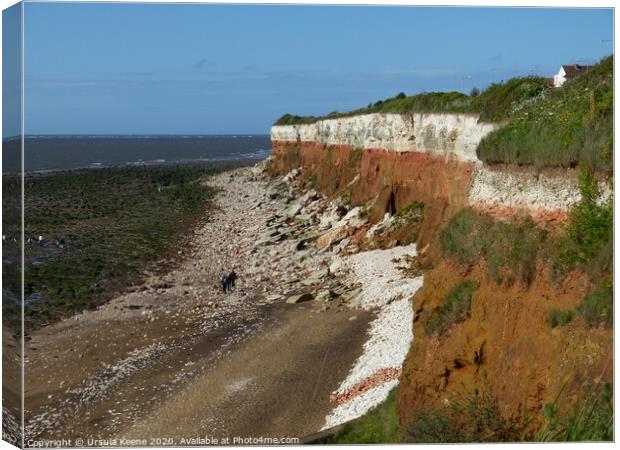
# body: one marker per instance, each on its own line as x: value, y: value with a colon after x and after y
x: 574, y: 70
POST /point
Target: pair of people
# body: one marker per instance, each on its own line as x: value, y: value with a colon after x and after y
x: 228, y: 281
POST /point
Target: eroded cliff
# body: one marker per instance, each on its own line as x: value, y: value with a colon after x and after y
x: 504, y: 343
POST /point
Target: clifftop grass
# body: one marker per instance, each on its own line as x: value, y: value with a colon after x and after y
x: 494, y: 104
x: 545, y: 127
x: 561, y: 127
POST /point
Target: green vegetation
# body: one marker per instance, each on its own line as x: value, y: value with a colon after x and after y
x: 596, y: 308
x: 496, y: 103
x: 513, y: 250
x: 560, y: 127
x: 559, y: 317
x: 588, y: 244
x: 510, y: 249
x: 378, y: 426
x: 476, y: 417
x: 412, y: 212
x: 355, y: 157
x: 455, y: 309
x: 329, y: 155
x: 591, y: 419
x: 113, y: 222
x: 410, y: 218
x: 589, y: 238
x: 472, y: 418
x: 313, y: 179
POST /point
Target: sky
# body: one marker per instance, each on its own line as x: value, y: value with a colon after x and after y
x: 229, y: 69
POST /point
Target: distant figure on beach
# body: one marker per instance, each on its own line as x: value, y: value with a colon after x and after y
x: 40, y: 240
x: 61, y: 243
x: 232, y: 276
x: 224, y: 281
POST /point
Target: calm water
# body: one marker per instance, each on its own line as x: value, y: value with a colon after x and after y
x: 72, y: 152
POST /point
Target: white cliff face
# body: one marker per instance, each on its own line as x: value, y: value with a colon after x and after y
x: 522, y: 190
x: 526, y: 190
x: 449, y: 135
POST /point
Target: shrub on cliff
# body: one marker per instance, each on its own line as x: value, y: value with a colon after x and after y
x: 290, y: 119
x: 559, y: 317
x: 455, y: 309
x: 590, y: 228
x: 510, y: 249
x: 477, y: 417
x: 590, y: 419
x: 596, y: 308
x: 469, y: 417
x: 563, y: 127
x: 588, y: 244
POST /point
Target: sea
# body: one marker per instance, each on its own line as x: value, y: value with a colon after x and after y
x: 53, y: 153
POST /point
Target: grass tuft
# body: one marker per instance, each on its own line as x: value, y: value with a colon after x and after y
x: 591, y: 419
x: 559, y: 317
x: 378, y: 426
x: 455, y: 309
x: 596, y: 308
x: 475, y: 417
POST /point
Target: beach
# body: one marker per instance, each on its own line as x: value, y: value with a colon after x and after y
x: 175, y: 353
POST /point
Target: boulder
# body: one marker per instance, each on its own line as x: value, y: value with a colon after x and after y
x: 294, y: 209
x: 342, y: 245
x: 325, y: 295
x: 291, y: 175
x: 332, y: 237
x: 299, y: 298
x: 353, y: 218
x: 335, y: 266
x: 331, y: 216
x: 385, y: 224
x: 274, y: 297
x: 316, y: 278
x: 350, y: 296
x: 339, y: 290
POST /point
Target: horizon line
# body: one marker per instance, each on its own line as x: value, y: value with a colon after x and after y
x: 105, y: 135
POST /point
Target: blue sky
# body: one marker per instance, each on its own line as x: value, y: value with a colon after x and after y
x: 181, y: 68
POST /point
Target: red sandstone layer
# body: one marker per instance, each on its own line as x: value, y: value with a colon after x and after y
x: 392, y: 180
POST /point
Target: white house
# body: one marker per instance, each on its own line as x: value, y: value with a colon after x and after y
x: 567, y: 72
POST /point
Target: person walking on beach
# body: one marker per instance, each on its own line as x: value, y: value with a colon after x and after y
x: 232, y: 276
x: 224, y: 281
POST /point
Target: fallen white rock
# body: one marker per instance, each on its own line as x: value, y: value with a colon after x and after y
x: 383, y: 285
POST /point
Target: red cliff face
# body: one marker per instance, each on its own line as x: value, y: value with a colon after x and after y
x: 385, y: 181
x: 506, y: 344
x: 505, y: 347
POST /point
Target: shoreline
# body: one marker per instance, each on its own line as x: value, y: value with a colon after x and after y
x: 127, y: 196
x: 235, y: 162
